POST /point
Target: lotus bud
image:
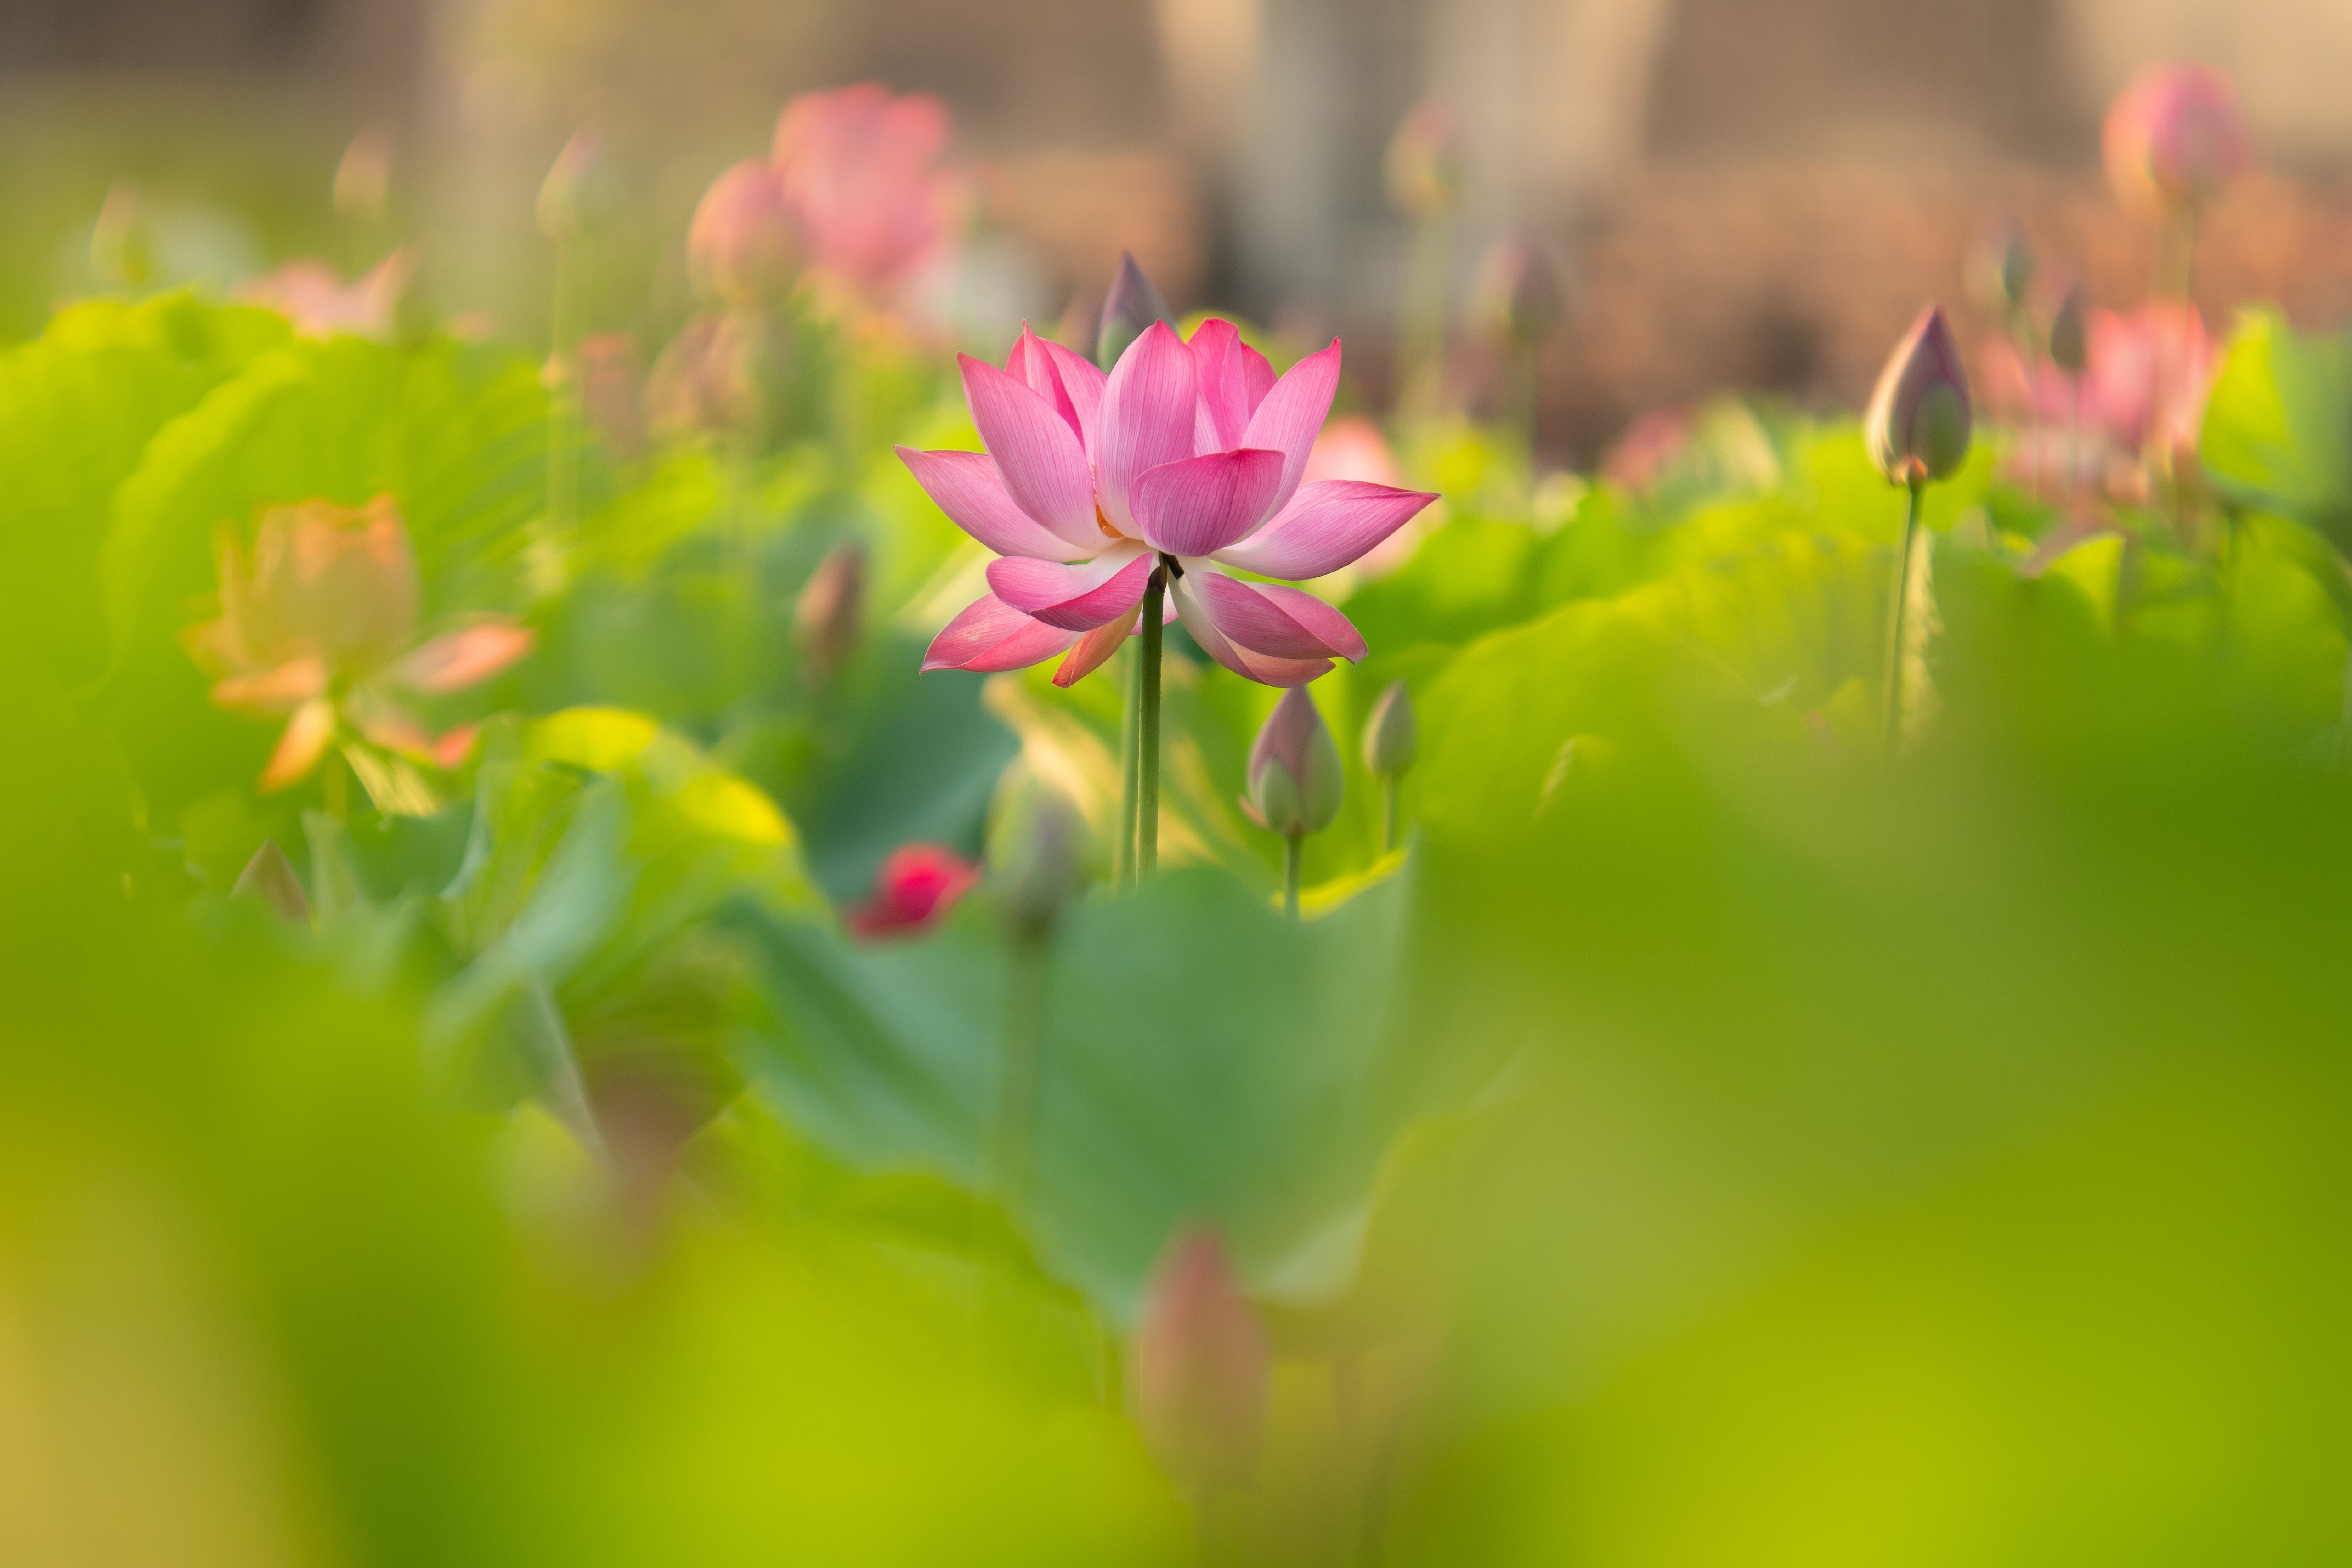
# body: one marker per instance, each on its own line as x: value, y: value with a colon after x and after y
x: 1202, y: 1365
x: 1518, y: 293
x: 1918, y: 423
x: 269, y: 878
x: 1293, y: 769
x: 121, y: 250
x: 2069, y: 347
x: 1425, y: 167
x: 1391, y: 735
x: 743, y: 245
x: 830, y: 616
x: 2003, y: 270
x: 364, y: 178
x: 1132, y: 306
x: 2175, y: 137
x: 579, y: 197
x: 1039, y: 851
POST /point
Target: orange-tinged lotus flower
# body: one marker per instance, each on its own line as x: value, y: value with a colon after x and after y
x: 318, y: 625
x: 862, y: 173
x: 2175, y: 138
x: 1202, y: 1365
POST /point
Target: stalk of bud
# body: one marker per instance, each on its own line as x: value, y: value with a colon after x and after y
x: 1391, y: 744
x: 1426, y: 166
x: 1295, y: 779
x: 830, y: 616
x: 1518, y: 292
x: 1918, y: 430
x: 1132, y: 305
x: 1202, y: 1365
x: 578, y: 197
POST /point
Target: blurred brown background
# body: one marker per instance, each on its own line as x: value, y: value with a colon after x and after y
x: 1748, y: 192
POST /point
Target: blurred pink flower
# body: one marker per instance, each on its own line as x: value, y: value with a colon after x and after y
x: 1202, y: 1364
x: 2145, y: 381
x: 314, y: 297
x: 916, y: 885
x: 2175, y: 137
x: 1186, y: 454
x: 1652, y: 442
x: 742, y: 245
x: 1352, y: 447
x: 317, y: 624
x: 860, y: 172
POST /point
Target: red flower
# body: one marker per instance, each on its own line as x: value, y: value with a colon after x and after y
x: 916, y: 885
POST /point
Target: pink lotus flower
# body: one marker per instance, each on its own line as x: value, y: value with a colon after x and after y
x: 1202, y: 1364
x: 317, y: 626
x: 860, y: 172
x: 2145, y: 382
x: 2175, y: 137
x: 314, y: 297
x: 916, y: 885
x: 742, y: 245
x: 1186, y: 454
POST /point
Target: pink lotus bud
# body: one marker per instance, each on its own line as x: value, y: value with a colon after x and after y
x: 1919, y: 422
x: 580, y: 194
x: 1391, y: 735
x: 2175, y: 137
x: 1132, y: 305
x: 1518, y: 292
x: 363, y: 178
x: 830, y: 616
x: 1202, y: 1365
x: 2069, y: 347
x: 1426, y: 169
x: 917, y: 884
x: 1295, y: 776
x: 742, y: 245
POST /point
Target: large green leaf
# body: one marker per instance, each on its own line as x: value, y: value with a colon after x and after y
x: 2278, y: 427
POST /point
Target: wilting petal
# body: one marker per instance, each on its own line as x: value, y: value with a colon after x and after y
x: 989, y: 634
x: 1292, y: 415
x: 1030, y: 365
x: 308, y: 735
x: 1202, y: 504
x: 1327, y: 525
x: 1082, y: 381
x: 1099, y: 645
x: 458, y: 659
x: 1038, y: 452
x: 1268, y: 618
x: 278, y: 690
x: 1261, y: 667
x: 1074, y: 598
x: 966, y: 487
x: 1145, y: 420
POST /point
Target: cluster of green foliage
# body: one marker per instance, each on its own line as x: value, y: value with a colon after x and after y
x: 1713, y: 1140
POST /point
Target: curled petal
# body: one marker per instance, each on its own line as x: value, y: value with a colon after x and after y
x: 1145, y: 419
x: 1327, y: 525
x: 278, y: 690
x: 1292, y: 414
x: 1263, y: 668
x: 1099, y: 645
x: 308, y: 735
x: 966, y: 487
x: 989, y: 634
x: 461, y: 658
x: 1074, y: 598
x: 1202, y: 504
x: 1285, y: 623
x: 1038, y: 452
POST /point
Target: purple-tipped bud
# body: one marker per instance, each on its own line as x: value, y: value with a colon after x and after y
x: 580, y: 194
x: 1293, y: 769
x: 1918, y: 423
x: 269, y: 877
x: 2175, y: 137
x: 363, y: 178
x: 743, y: 245
x: 2068, y: 343
x: 1202, y: 1365
x: 1426, y: 168
x: 1131, y: 307
x: 1391, y: 735
x: 1518, y: 292
x: 831, y: 614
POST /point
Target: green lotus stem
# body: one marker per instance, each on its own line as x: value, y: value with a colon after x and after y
x: 1012, y: 1130
x: 1130, y: 753
x: 563, y: 400
x: 1293, y: 851
x: 1388, y: 815
x: 1895, y: 617
x: 1147, y: 760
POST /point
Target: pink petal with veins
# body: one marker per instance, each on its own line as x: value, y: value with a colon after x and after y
x: 1145, y: 419
x: 1038, y: 452
x: 1263, y: 668
x: 1292, y: 415
x: 1082, y: 382
x: 1327, y: 525
x: 967, y: 487
x: 1096, y: 646
x: 1284, y: 623
x: 1074, y: 598
x: 1033, y: 367
x: 989, y: 634
x: 1202, y: 504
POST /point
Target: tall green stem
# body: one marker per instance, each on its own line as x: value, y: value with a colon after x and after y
x: 1129, y: 755
x: 563, y: 400
x: 1013, y: 1131
x: 1894, y: 618
x: 1389, y: 815
x: 1294, y: 848
x: 1147, y: 760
